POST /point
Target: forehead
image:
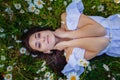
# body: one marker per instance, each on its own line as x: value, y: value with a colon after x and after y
x: 32, y: 41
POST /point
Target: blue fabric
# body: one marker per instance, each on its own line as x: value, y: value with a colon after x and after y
x: 72, y: 65
x: 74, y: 10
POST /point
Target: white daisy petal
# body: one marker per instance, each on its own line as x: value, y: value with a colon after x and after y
x: 83, y: 62
x: 1, y: 30
x: 31, y: 7
x: 39, y: 3
x: 22, y: 50
x: 106, y: 67
x: 100, y: 8
x: 17, y: 6
x: 117, y: 1
x: 72, y: 76
x: 37, y: 11
x: 9, y: 68
x: 22, y: 11
x: 1, y: 65
x: 49, y: 8
x: 3, y: 58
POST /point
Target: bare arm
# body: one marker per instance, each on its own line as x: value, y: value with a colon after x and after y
x: 92, y: 46
x: 86, y: 28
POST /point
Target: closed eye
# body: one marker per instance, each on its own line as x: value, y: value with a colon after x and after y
x: 38, y: 45
x: 38, y: 35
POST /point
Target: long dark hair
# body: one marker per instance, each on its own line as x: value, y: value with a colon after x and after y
x: 55, y: 60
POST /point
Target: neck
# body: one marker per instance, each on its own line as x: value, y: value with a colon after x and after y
x: 57, y: 39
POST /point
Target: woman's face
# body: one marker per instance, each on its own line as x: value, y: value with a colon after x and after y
x: 42, y: 41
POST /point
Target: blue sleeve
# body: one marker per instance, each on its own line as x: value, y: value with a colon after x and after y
x: 74, y: 10
x: 72, y: 64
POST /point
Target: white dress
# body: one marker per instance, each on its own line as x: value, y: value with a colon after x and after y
x: 112, y: 26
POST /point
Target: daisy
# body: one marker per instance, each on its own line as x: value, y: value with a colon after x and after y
x: 47, y: 74
x: 89, y: 68
x: 51, y: 0
x: 43, y: 68
x: 22, y: 50
x: 37, y: 11
x: 35, y: 78
x: 100, y: 8
x: 18, y: 41
x: 22, y: 11
x: 49, y: 8
x: 2, y: 35
x: 72, y: 76
x: 33, y: 55
x: 17, y: 6
x: 93, y: 7
x: 40, y: 23
x: 9, y: 68
x: 3, y: 58
x: 65, y: 3
x: 38, y: 71
x: 117, y: 1
x: 25, y: 30
x: 1, y: 30
x: 31, y: 7
x: 1, y: 65
x: 113, y: 78
x: 39, y: 3
x: 10, y: 47
x: 83, y: 62
x: 8, y: 77
x: 43, y: 64
x: 50, y: 77
x: 8, y: 10
x: 60, y: 78
x: 106, y: 67
x: 14, y: 37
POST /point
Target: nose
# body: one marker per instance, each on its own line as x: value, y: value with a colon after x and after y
x: 42, y: 39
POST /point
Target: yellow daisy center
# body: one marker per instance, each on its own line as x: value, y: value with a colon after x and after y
x: 116, y: 1
x: 8, y: 76
x: 81, y: 61
x: 39, y: 2
x: 32, y: 9
x: 85, y: 64
x: 73, y: 78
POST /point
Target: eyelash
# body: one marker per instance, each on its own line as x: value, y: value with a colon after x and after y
x: 39, y: 45
x: 38, y: 35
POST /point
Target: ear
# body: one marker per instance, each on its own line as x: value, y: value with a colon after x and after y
x: 47, y: 51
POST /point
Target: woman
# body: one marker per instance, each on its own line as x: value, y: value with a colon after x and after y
x: 80, y: 36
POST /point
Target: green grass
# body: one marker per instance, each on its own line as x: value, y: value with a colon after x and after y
x: 24, y: 66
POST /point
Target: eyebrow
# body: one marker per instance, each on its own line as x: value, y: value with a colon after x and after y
x: 35, y: 36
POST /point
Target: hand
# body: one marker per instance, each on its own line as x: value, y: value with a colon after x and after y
x: 61, y: 33
x: 61, y: 45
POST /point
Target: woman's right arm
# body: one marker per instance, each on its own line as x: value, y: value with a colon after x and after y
x: 92, y: 46
x: 86, y: 28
